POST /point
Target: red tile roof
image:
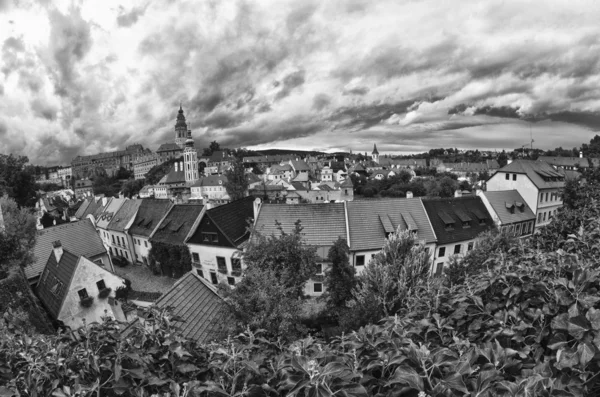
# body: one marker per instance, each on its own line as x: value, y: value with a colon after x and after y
x: 123, y: 216
x: 149, y: 214
x: 177, y: 224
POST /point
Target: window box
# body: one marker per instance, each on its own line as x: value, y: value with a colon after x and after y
x: 318, y: 277
x: 104, y: 293
x: 87, y: 301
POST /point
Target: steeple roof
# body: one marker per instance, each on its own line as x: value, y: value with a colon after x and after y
x: 180, y: 120
x: 375, y: 149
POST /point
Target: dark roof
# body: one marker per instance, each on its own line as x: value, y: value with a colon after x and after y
x: 177, y: 224
x: 322, y: 223
x: 368, y: 220
x: 108, y: 213
x: 231, y: 219
x: 149, y: 214
x: 79, y: 237
x: 203, y: 311
x: 442, y: 211
x: 63, y: 272
x: 174, y: 176
x: 167, y: 147
x: 82, y: 208
x: 91, y: 207
x: 124, y: 215
x: 542, y: 174
x: 565, y: 161
x: 498, y: 201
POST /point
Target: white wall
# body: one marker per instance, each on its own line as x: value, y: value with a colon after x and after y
x: 443, y: 260
x: 369, y: 254
x: 523, y: 185
x: 208, y: 261
x: 141, y: 250
x: 86, y: 275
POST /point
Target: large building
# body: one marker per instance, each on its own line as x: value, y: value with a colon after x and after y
x: 110, y: 162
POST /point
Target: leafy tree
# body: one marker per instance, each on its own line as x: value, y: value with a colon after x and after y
x: 213, y: 147
x: 18, y: 179
x: 237, y: 183
x: 47, y: 220
x: 389, y: 280
x: 447, y: 187
x: 339, y: 279
x: 132, y: 187
x: 17, y: 235
x: 502, y: 159
x: 123, y: 173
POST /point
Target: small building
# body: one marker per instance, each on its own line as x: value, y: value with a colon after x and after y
x: 537, y: 182
x: 120, y: 241
x: 211, y: 187
x: 83, y: 188
x: 176, y: 227
x: 566, y: 163
x: 216, y: 244
x: 509, y: 211
x: 168, y: 151
x: 202, y: 314
x: 457, y: 222
x: 322, y: 225
x: 370, y: 222
x: 102, y: 221
x: 149, y: 215
x: 79, y: 237
x: 73, y: 289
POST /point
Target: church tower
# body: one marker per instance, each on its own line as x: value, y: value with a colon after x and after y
x: 190, y: 160
x: 375, y: 154
x: 181, y: 130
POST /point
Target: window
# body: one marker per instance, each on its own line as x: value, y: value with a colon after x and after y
x: 507, y: 176
x: 470, y: 246
x: 199, y: 272
x: 209, y: 237
x: 514, y: 177
x: 539, y: 217
x: 126, y: 256
x: 541, y: 197
x: 442, y: 252
x: 146, y: 244
x: 213, y: 278
x: 222, y: 264
x: 546, y: 196
x: 544, y: 217
x: 230, y: 280
x: 195, y: 257
x: 457, y: 249
x: 99, y: 262
x: 318, y: 287
x: 101, y: 285
x: 466, y: 225
x: 518, y: 231
x: 319, y: 268
x: 360, y: 260
x: 236, y: 266
x: 82, y: 293
x: 123, y: 240
x: 113, y: 239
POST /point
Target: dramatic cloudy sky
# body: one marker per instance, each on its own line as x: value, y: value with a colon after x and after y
x: 89, y: 76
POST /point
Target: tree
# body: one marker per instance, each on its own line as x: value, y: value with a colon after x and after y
x: 17, y: 235
x: 156, y: 173
x: 18, y: 179
x: 123, y: 173
x: 339, y: 279
x: 237, y: 183
x: 132, y: 187
x: 277, y: 268
x: 502, y: 159
x: 213, y: 147
x: 388, y: 282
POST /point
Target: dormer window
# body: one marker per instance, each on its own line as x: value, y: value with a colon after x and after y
x: 447, y: 219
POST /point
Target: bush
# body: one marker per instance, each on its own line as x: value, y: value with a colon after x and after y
x: 87, y: 301
x: 104, y: 293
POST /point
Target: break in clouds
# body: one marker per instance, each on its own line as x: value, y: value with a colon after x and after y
x: 84, y: 77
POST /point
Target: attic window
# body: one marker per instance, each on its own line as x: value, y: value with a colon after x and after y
x: 386, y: 222
x: 480, y: 216
x: 447, y: 219
x: 140, y: 222
x: 510, y: 207
x: 410, y: 222
x: 164, y: 225
x: 464, y: 218
x: 520, y: 206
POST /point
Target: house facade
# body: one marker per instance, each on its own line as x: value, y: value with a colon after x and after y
x: 217, y: 242
x: 457, y: 222
x: 370, y: 222
x: 537, y: 182
x: 148, y: 216
x: 74, y: 289
x: 121, y: 242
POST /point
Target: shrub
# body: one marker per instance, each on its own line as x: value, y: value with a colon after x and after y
x: 87, y: 301
x: 104, y: 293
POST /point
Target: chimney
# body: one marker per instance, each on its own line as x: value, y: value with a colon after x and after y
x: 508, y: 161
x: 58, y: 250
x: 256, y: 206
x: 104, y: 201
x: 457, y: 193
x: 409, y: 194
x: 580, y: 154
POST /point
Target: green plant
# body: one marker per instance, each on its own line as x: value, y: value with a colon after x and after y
x: 104, y: 293
x: 87, y: 301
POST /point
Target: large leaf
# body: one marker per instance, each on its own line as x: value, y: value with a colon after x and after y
x: 455, y: 382
x: 408, y: 376
x: 593, y: 316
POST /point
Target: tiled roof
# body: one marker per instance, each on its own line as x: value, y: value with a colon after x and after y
x: 500, y: 199
x: 124, y: 215
x: 63, y: 271
x: 177, y: 224
x: 174, y: 176
x: 322, y: 223
x: 167, y: 147
x: 101, y: 207
x: 457, y: 207
x: 300, y: 165
x: 213, y: 180
x: 275, y: 169
x: 106, y: 216
x: 82, y: 208
x: 79, y: 237
x: 566, y: 161
x: 203, y: 311
x: 367, y: 231
x: 540, y: 173
x: 231, y: 219
x: 149, y: 214
x: 90, y: 208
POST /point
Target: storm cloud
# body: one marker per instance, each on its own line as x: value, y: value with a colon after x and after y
x: 83, y: 78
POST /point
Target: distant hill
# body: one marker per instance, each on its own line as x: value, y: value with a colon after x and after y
x: 272, y: 152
